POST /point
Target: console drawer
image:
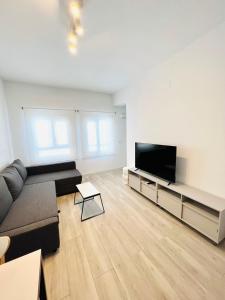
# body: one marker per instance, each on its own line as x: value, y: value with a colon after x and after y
x: 149, y: 192
x: 134, y: 182
x: 170, y: 202
x: 202, y: 223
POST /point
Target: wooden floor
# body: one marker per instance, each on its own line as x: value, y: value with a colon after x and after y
x: 135, y: 251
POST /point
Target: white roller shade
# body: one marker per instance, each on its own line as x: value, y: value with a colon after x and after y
x: 50, y: 135
x: 97, y: 134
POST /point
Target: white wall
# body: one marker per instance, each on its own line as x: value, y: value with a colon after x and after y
x: 5, y: 143
x: 29, y: 95
x: 182, y: 102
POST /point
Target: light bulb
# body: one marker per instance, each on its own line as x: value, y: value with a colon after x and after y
x: 75, y: 9
x: 73, y: 49
x: 80, y: 30
x: 72, y: 38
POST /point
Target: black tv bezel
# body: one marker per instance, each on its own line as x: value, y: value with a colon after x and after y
x: 156, y: 175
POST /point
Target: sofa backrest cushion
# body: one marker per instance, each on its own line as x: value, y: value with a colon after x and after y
x: 43, y: 169
x: 6, y: 199
x: 13, y: 180
x: 20, y: 168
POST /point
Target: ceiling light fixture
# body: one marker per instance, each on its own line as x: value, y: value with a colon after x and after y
x: 76, y: 30
x: 72, y: 48
x: 79, y: 29
x: 72, y: 37
x: 75, y: 9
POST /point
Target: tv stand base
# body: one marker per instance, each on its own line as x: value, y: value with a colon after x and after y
x: 200, y: 210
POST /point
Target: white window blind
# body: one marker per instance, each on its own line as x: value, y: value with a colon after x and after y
x: 50, y: 135
x: 97, y: 134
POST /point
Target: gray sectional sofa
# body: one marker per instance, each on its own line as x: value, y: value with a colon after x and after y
x: 28, y: 208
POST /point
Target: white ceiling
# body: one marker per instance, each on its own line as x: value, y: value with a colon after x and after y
x: 123, y: 39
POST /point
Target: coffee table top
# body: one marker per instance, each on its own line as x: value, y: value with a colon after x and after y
x: 20, y: 278
x: 87, y: 190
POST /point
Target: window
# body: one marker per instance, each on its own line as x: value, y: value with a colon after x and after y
x: 97, y: 134
x: 50, y: 135
x: 57, y: 135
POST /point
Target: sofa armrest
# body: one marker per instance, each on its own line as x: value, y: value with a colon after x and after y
x: 42, y: 169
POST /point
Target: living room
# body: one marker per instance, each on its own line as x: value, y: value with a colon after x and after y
x: 112, y: 123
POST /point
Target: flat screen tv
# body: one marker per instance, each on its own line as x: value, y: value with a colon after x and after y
x: 158, y: 160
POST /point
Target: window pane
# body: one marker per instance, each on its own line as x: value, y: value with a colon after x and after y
x: 92, y: 136
x: 43, y: 133
x: 61, y: 133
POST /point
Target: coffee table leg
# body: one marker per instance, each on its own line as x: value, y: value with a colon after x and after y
x: 84, y: 200
x: 75, y: 198
x: 102, y: 203
x: 81, y: 217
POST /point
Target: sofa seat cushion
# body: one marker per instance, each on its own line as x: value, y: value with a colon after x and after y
x: 54, y: 176
x: 36, y: 202
x: 6, y: 199
x: 20, y: 168
x: 30, y: 227
x: 13, y: 180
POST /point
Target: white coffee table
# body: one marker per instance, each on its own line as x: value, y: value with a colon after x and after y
x: 23, y: 278
x: 88, y: 192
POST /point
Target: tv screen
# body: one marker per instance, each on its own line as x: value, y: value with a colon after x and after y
x: 159, y: 160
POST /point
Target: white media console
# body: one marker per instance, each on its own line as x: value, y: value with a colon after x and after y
x: 198, y: 209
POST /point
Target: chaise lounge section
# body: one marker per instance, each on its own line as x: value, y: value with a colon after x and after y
x: 65, y: 175
x: 28, y: 208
